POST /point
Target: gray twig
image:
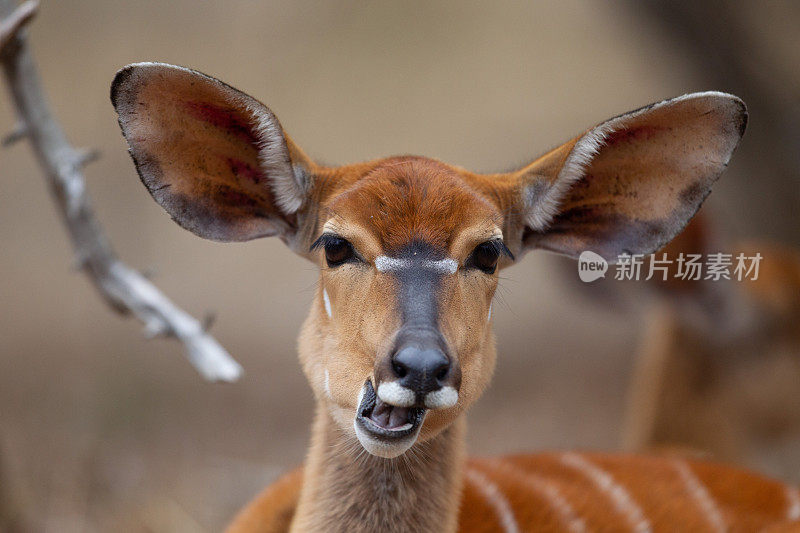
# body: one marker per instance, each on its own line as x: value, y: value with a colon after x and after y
x: 125, y: 289
x: 17, y: 134
x: 15, y: 20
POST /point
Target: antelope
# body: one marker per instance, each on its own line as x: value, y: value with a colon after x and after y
x: 719, y: 362
x: 398, y: 342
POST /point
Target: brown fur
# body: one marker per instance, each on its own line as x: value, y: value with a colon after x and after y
x: 652, y: 171
x: 745, y: 501
x: 348, y: 490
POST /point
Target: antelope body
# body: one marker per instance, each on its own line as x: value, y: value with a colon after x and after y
x: 398, y: 342
x: 719, y: 365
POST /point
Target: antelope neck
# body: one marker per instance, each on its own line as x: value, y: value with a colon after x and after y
x: 345, y: 489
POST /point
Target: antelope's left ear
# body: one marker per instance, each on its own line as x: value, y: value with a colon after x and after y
x: 630, y: 184
x: 216, y: 159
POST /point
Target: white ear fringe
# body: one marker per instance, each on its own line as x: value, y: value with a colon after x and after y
x: 542, y: 207
x: 289, y: 183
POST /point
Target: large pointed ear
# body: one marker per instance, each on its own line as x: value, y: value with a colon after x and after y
x: 630, y: 184
x: 216, y: 159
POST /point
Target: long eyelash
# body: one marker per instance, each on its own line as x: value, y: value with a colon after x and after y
x: 497, y: 245
x: 324, y: 239
x: 501, y: 248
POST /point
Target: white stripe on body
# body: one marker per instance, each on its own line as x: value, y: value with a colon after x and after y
x: 700, y: 494
x: 621, y: 499
x: 793, y: 503
x: 492, y: 493
x: 548, y: 490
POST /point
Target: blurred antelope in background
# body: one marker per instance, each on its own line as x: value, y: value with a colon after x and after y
x: 718, y: 368
x: 398, y: 342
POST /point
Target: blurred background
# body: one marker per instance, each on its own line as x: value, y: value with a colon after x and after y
x: 102, y: 430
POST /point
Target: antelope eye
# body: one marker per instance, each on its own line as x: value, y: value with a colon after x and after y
x: 338, y: 251
x: 485, y: 257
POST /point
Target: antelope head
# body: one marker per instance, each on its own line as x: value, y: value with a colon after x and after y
x: 399, y: 342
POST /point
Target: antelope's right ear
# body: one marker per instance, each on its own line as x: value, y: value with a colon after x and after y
x: 630, y: 184
x: 214, y: 158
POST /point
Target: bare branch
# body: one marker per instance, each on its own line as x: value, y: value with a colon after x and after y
x: 18, y: 133
x: 125, y: 289
x: 87, y: 156
x: 15, y: 21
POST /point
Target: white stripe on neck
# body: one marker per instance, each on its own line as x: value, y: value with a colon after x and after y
x: 386, y: 264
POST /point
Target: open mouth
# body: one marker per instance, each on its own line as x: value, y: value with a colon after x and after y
x: 387, y: 422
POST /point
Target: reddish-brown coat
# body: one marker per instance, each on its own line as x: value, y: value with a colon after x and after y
x: 744, y: 501
x: 626, y: 186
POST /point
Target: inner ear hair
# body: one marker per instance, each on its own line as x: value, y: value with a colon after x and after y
x: 543, y: 196
x: 630, y: 184
x: 216, y: 159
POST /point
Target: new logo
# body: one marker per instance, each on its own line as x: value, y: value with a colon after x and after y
x: 591, y: 266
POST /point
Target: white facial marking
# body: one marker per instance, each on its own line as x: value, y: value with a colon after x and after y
x: 386, y: 264
x: 387, y: 450
x: 379, y: 448
x: 328, y: 384
x: 327, y: 302
x: 442, y: 398
x: 329, y: 227
x: 393, y: 393
x: 445, y: 266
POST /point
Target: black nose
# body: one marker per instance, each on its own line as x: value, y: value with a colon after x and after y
x: 421, y: 370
